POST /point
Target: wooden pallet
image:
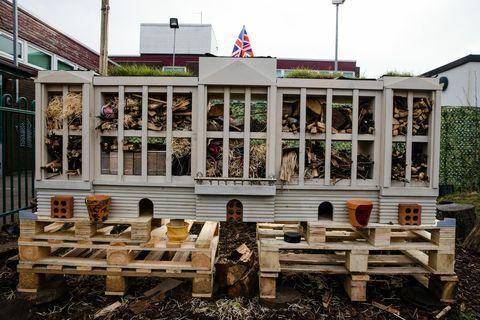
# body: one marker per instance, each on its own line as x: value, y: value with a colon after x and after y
x: 339, y: 248
x: 118, y: 260
x: 74, y: 229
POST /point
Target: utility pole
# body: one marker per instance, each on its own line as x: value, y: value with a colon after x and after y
x: 15, y: 41
x: 103, y: 63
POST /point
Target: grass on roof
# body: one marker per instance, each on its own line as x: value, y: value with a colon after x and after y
x: 395, y: 73
x: 312, y: 74
x: 143, y: 70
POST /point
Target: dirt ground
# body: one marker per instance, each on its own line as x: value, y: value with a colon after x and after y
x: 318, y: 297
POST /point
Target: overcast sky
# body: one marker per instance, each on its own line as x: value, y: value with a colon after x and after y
x: 381, y: 35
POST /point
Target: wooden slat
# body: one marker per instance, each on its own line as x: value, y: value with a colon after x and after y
x: 206, y: 234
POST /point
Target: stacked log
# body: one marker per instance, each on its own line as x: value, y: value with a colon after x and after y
x: 55, y: 152
x: 182, y: 113
x: 398, y: 165
x: 132, y: 119
x: 314, y: 161
x: 400, y: 116
x: 422, y: 108
x: 74, y: 155
x: 157, y: 113
x: 421, y: 112
x: 366, y: 123
x: 315, y: 115
x: 419, y: 167
x: 364, y: 166
x: 340, y: 165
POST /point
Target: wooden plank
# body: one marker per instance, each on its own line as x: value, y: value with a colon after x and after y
x: 357, y: 260
x: 206, y: 234
x: 324, y: 269
x: 356, y: 289
x: 267, y: 286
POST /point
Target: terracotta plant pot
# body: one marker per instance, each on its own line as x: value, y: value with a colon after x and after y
x: 98, y: 207
x: 177, y: 233
x: 359, y: 212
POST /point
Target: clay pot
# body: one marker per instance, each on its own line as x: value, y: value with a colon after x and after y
x: 359, y: 212
x: 177, y: 233
x: 98, y: 207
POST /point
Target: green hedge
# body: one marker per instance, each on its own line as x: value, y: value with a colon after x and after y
x: 460, y: 148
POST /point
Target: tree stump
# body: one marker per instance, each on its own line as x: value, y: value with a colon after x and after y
x: 472, y: 242
x: 463, y: 213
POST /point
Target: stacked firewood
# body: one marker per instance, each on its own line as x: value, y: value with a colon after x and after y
x: 400, y: 115
x: 315, y: 116
x: 340, y: 165
x: 419, y: 167
x: 364, y: 166
x: 54, y: 150
x: 341, y: 119
x: 182, y: 113
x: 74, y: 155
x: 366, y: 124
x: 132, y: 118
x: 398, y: 165
x: 314, y: 161
x: 421, y: 111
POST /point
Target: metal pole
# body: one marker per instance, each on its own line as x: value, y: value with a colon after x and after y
x: 15, y: 41
x: 174, y: 38
x: 336, y: 42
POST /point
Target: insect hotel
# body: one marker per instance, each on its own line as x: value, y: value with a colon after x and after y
x: 345, y: 167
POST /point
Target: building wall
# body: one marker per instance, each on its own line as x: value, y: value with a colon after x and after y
x: 463, y: 85
x: 190, y: 39
x: 42, y: 35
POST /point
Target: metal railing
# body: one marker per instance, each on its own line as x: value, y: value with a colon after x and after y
x: 17, y: 154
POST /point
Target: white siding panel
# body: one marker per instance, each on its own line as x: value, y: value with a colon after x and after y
x: 79, y: 208
x: 389, y: 208
x: 255, y: 209
x: 173, y: 203
x: 302, y: 205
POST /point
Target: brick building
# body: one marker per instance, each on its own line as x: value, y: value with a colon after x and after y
x: 40, y: 47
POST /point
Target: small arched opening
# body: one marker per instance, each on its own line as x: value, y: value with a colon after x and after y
x: 325, y: 211
x: 234, y: 211
x: 145, y: 208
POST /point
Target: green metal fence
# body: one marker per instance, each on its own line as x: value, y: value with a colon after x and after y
x: 17, y: 154
x: 460, y: 148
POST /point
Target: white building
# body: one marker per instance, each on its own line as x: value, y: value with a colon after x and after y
x: 461, y: 79
x: 157, y: 38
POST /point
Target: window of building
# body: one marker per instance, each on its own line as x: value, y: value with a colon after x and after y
x: 6, y: 46
x: 39, y: 58
x: 64, y: 66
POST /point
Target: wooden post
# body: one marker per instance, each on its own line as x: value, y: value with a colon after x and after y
x: 104, y: 38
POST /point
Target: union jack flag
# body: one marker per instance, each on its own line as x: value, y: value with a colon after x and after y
x: 242, y: 47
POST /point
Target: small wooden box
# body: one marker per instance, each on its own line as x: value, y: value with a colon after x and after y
x: 409, y: 214
x: 156, y: 163
x: 128, y: 163
x: 109, y: 162
x: 61, y: 207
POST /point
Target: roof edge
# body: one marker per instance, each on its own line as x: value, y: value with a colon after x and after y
x: 453, y: 64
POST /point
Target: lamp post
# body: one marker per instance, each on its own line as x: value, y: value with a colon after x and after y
x: 174, y: 25
x: 336, y: 3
